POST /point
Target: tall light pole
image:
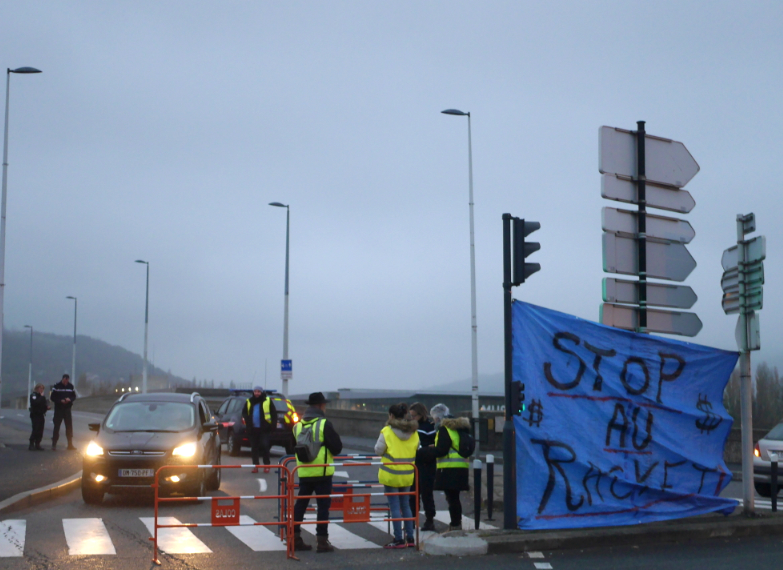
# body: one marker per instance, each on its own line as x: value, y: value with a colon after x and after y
x: 2, y: 210
x: 285, y: 311
x: 146, y: 327
x: 474, y: 326
x: 73, y: 362
x: 30, y: 368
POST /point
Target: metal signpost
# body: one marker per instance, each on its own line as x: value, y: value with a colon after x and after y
x: 645, y: 170
x: 742, y: 283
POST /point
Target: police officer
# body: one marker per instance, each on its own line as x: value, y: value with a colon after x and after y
x: 260, y: 418
x: 38, y: 408
x: 63, y: 395
x: 452, y: 472
x: 316, y: 480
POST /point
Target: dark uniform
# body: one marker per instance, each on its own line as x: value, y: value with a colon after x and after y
x: 263, y: 410
x: 38, y: 407
x: 62, y: 412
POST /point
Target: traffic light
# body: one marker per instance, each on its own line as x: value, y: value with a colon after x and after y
x: 523, y: 248
x: 517, y: 398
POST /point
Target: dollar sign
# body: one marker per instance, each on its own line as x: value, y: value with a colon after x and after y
x: 710, y: 420
x: 536, y: 411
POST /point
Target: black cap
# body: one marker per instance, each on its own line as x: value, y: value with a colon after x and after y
x: 316, y: 398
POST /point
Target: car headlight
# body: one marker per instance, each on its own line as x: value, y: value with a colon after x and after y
x: 186, y: 450
x: 295, y: 417
x: 94, y: 450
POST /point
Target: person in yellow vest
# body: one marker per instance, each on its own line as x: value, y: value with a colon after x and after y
x: 452, y: 474
x: 260, y: 418
x: 398, y: 442
x: 316, y: 480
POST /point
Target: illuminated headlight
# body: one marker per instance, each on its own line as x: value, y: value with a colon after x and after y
x: 174, y: 478
x: 187, y: 450
x: 295, y: 417
x: 94, y: 450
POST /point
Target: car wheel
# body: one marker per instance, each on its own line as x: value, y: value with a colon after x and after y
x: 90, y: 494
x: 763, y: 489
x: 214, y: 478
x: 232, y: 444
x: 200, y: 489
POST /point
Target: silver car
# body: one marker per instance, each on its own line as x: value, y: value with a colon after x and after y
x: 770, y: 443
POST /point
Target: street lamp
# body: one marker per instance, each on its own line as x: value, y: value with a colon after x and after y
x: 285, y: 312
x: 2, y: 210
x: 30, y: 368
x: 73, y: 362
x: 474, y: 326
x: 146, y: 326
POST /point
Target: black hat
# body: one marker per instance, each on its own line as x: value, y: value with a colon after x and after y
x: 316, y: 398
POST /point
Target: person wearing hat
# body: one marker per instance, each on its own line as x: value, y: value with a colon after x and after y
x: 316, y: 480
x: 260, y: 417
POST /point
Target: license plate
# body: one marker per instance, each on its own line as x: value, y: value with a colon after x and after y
x: 137, y: 472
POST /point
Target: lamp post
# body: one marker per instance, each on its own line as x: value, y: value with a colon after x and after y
x: 2, y: 210
x: 474, y: 326
x: 73, y: 362
x: 285, y: 310
x: 146, y: 327
x: 30, y: 368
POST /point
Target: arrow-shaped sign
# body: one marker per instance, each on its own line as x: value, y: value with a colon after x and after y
x: 623, y: 189
x: 667, y: 162
x: 755, y: 250
x: 754, y: 300
x: 662, y: 227
x: 754, y: 277
x: 665, y: 260
x: 658, y: 294
x: 666, y: 322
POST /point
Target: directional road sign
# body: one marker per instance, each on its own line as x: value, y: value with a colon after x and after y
x: 286, y: 369
x: 754, y: 332
x: 662, y: 227
x: 756, y: 250
x: 754, y: 276
x: 623, y: 189
x: 667, y: 162
x: 754, y: 300
x: 665, y: 260
x: 666, y: 322
x: 658, y: 294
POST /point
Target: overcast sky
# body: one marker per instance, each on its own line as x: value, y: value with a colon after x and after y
x: 161, y: 131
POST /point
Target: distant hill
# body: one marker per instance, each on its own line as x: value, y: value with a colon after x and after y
x: 102, y: 365
x: 488, y: 384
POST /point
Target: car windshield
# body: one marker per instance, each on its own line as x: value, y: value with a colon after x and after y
x: 776, y: 433
x: 151, y: 416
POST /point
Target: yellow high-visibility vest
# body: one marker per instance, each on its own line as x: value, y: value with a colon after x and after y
x: 324, y: 455
x: 398, y: 450
x: 264, y: 408
x: 452, y: 459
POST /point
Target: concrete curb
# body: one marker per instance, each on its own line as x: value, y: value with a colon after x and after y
x: 469, y: 544
x: 40, y: 495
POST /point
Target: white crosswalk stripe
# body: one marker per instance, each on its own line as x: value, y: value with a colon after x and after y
x: 258, y: 538
x: 12, y: 534
x: 340, y: 537
x: 87, y: 536
x: 467, y: 522
x: 175, y: 540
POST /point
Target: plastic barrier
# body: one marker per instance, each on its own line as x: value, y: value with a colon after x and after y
x: 358, y: 509
x: 224, y: 510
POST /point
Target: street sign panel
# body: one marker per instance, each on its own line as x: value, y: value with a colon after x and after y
x: 286, y: 369
x: 754, y: 332
x: 665, y: 322
x: 662, y: 227
x: 667, y: 161
x: 754, y: 276
x: 754, y: 300
x: 756, y: 250
x: 623, y: 189
x: 658, y: 294
x: 665, y: 260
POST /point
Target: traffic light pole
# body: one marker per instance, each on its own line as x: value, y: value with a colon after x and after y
x: 509, y: 455
x: 641, y: 183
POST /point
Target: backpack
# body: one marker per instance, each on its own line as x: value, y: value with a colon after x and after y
x: 307, y: 442
x: 467, y: 443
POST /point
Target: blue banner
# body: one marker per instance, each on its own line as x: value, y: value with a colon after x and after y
x: 618, y: 428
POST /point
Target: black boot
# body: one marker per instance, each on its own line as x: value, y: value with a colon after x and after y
x: 323, y: 544
x: 32, y: 446
x: 429, y: 524
x: 300, y: 544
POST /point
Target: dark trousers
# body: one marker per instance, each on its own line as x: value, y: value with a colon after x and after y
x: 306, y: 488
x: 60, y: 415
x: 455, y: 507
x: 426, y: 484
x: 259, y: 445
x: 38, y: 429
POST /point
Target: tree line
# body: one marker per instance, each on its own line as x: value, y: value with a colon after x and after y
x: 767, y: 397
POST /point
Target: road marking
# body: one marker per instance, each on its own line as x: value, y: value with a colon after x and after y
x: 341, y: 474
x: 12, y: 534
x: 87, y: 536
x: 535, y: 554
x: 384, y: 526
x: 542, y: 565
x: 340, y: 537
x: 258, y: 538
x: 262, y: 484
x: 175, y: 540
x: 467, y: 522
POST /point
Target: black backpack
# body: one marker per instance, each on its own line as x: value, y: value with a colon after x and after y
x: 307, y: 442
x: 467, y: 443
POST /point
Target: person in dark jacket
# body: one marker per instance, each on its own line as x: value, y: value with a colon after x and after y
x: 452, y: 474
x: 63, y: 395
x: 317, y: 479
x: 260, y: 418
x: 425, y: 463
x: 38, y: 409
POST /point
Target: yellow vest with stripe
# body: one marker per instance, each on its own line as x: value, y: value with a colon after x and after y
x: 398, y: 450
x: 452, y: 459
x: 324, y: 455
x: 264, y: 408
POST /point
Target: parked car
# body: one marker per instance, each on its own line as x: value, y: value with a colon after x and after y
x: 770, y: 443
x: 232, y: 427
x: 143, y: 432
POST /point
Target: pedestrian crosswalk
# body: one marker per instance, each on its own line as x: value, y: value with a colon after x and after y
x: 91, y: 537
